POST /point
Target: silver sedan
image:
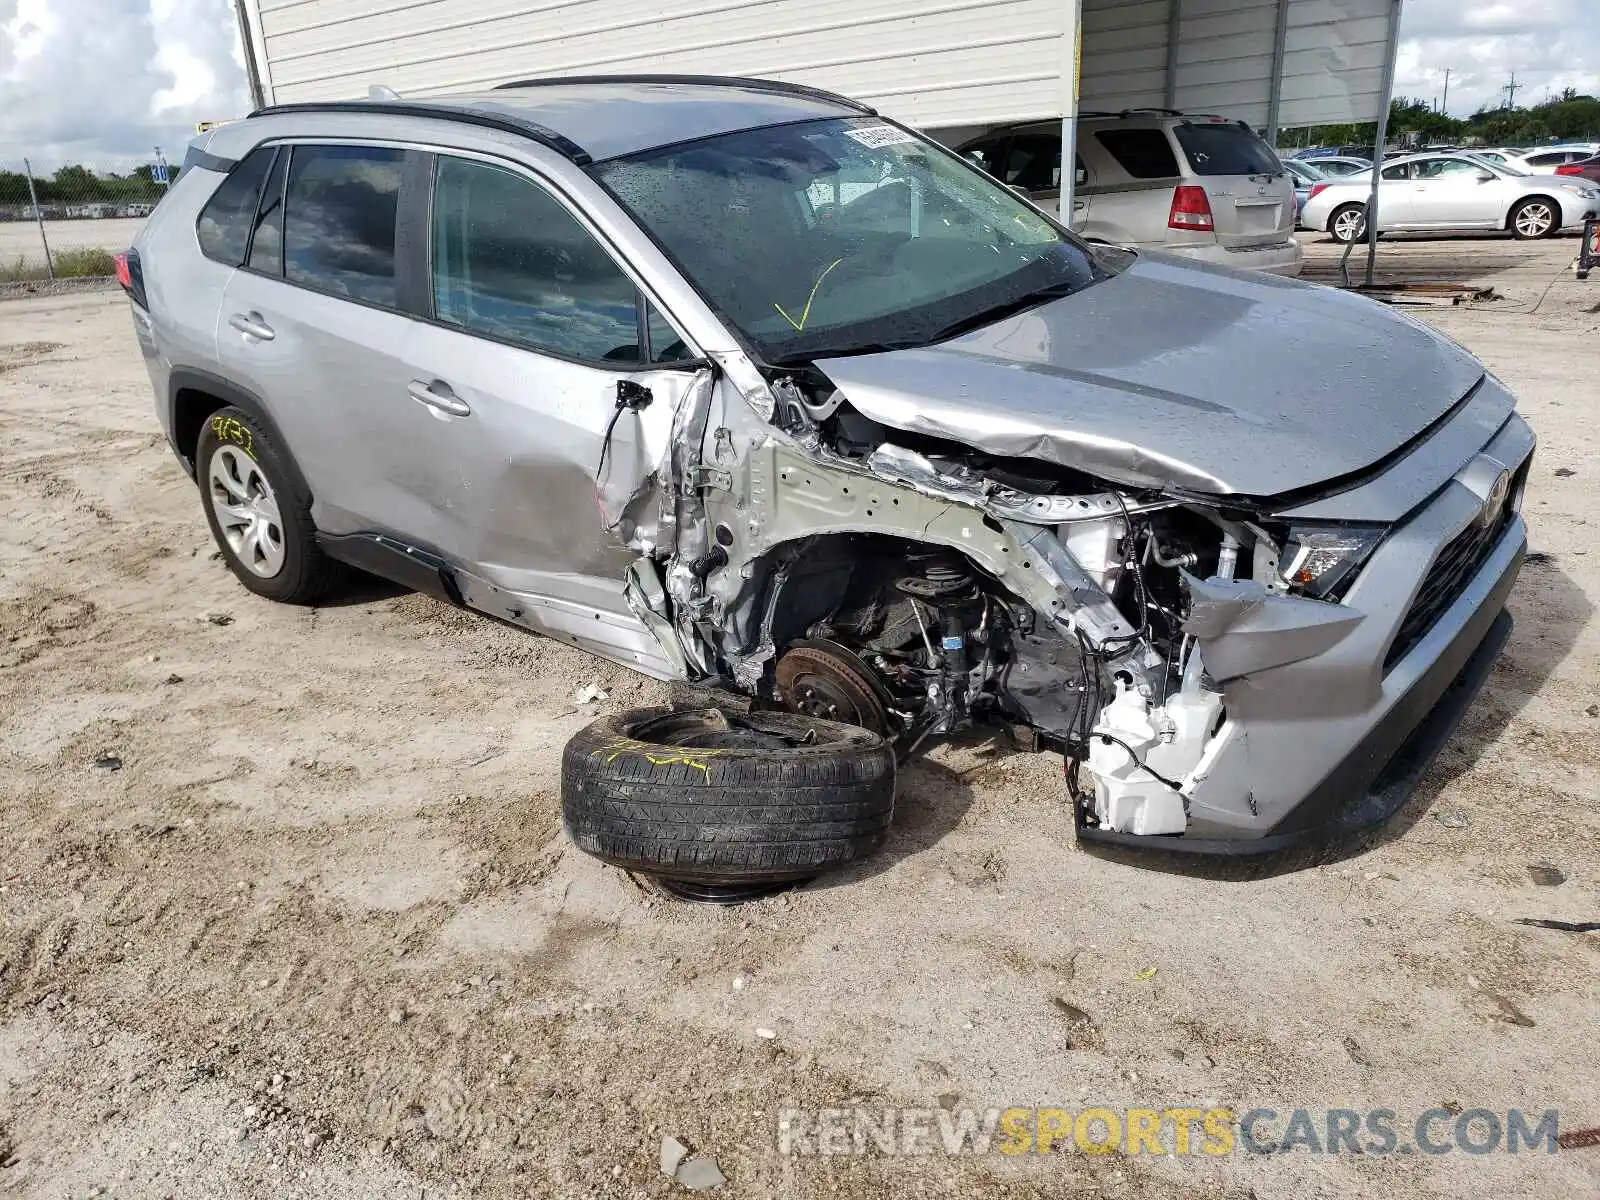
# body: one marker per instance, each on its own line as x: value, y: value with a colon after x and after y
x: 1451, y: 191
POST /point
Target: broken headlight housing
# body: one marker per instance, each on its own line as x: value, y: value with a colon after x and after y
x: 1321, y: 561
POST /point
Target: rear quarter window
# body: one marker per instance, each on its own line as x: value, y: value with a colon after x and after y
x: 224, y: 225
x: 1142, y: 153
x: 1225, y: 150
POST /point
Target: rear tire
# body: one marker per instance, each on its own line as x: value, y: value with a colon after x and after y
x: 258, y: 514
x: 1348, y: 223
x: 1534, y: 218
x: 711, y: 798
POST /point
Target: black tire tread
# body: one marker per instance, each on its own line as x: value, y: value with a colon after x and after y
x: 735, y: 816
x: 308, y: 574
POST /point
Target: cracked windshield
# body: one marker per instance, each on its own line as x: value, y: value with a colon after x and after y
x: 845, y: 236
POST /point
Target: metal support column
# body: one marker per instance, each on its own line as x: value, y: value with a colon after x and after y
x: 1071, y: 71
x: 1391, y: 52
x: 1174, y: 30
x: 38, y: 215
x: 1280, y: 40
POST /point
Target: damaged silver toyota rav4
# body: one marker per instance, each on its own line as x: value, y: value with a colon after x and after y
x: 739, y: 383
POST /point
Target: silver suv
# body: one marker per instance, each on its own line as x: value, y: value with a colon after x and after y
x: 741, y: 383
x: 1201, y: 186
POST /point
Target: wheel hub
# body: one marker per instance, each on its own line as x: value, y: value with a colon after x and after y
x: 830, y: 684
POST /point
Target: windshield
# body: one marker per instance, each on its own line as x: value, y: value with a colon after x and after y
x: 840, y: 236
x: 1496, y: 164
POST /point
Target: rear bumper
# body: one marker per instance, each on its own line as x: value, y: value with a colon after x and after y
x: 1281, y: 258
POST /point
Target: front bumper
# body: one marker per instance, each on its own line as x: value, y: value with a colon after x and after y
x: 1333, y: 743
x: 1575, y: 210
x: 1379, y: 774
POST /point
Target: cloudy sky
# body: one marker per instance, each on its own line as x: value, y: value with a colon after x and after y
x: 103, y: 81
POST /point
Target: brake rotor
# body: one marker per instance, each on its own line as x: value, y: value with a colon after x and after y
x: 830, y: 684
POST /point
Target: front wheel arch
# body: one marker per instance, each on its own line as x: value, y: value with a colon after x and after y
x: 1540, y: 197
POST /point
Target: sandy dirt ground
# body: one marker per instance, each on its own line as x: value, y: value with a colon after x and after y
x: 20, y: 239
x: 285, y: 908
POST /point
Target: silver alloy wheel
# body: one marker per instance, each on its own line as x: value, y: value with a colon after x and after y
x: 1535, y: 219
x: 1349, y: 225
x: 246, y: 510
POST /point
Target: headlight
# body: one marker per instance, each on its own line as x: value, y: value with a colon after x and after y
x: 1321, y: 562
x: 1582, y: 189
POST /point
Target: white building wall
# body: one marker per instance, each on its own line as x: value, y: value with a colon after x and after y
x: 940, y: 63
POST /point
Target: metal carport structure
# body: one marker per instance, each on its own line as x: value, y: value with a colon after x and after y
x: 935, y: 65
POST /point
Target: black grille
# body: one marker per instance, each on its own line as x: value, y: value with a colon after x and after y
x: 1457, y: 563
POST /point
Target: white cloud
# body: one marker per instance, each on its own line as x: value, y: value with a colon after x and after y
x: 1549, y: 44
x: 103, y: 82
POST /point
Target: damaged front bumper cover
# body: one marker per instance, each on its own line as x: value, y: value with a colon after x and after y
x: 1381, y: 772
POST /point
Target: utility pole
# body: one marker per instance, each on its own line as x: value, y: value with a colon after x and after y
x: 1511, y: 92
x: 38, y: 215
x: 1444, y: 108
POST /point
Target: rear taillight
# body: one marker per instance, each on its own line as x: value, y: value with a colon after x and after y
x: 1191, y: 210
x: 131, y: 276
x: 1317, y: 188
x: 1569, y: 169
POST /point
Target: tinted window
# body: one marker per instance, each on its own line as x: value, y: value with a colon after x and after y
x: 1142, y: 153
x: 340, y: 220
x: 665, y: 344
x: 512, y: 263
x: 1225, y: 149
x: 266, y: 243
x: 1545, y: 160
x: 224, y: 225
x: 1034, y: 163
x: 985, y: 155
x: 1399, y: 171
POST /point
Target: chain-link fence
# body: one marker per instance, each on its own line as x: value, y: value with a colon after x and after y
x: 71, y: 220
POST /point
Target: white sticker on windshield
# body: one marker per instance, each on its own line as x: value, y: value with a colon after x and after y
x: 879, y: 135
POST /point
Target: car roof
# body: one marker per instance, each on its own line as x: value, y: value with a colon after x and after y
x: 592, y: 118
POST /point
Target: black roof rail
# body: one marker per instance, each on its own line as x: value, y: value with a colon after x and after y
x: 505, y: 122
x: 763, y: 85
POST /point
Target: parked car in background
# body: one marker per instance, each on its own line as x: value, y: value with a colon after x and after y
x: 1451, y: 191
x: 1305, y: 177
x: 1205, y: 187
x: 1332, y: 167
x: 1316, y: 152
x: 1500, y: 154
x: 1546, y: 159
x: 1583, y: 168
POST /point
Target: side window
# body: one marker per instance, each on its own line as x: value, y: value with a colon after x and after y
x: 665, y: 344
x: 510, y: 262
x: 1142, y: 153
x: 1034, y: 163
x: 1457, y: 166
x: 224, y: 225
x: 339, y: 220
x: 985, y: 155
x: 1545, y: 160
x: 266, y: 241
x: 1398, y: 171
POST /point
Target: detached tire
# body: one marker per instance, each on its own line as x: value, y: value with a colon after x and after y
x: 709, y: 798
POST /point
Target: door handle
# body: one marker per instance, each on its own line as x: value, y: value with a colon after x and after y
x: 437, y: 395
x: 253, y: 325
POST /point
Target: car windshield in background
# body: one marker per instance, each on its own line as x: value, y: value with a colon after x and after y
x: 845, y: 236
x: 1498, y: 166
x: 1225, y: 149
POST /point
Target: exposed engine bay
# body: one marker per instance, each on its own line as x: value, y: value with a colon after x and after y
x: 951, y: 588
